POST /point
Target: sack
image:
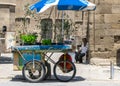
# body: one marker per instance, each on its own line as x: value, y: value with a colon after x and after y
x: 68, y: 58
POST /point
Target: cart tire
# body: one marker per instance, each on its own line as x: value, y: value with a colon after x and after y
x: 48, y: 70
x: 35, y: 74
x: 67, y: 74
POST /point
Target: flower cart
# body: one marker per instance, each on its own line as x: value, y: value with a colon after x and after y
x: 33, y: 61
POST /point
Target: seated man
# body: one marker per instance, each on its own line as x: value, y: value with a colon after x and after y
x: 82, y: 51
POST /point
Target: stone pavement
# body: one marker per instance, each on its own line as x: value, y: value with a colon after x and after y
x: 84, y: 71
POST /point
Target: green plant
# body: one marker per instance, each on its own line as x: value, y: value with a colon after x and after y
x: 46, y: 42
x: 66, y: 26
x: 28, y: 38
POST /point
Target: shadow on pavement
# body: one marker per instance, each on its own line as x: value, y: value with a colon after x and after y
x: 75, y: 79
x: 19, y: 78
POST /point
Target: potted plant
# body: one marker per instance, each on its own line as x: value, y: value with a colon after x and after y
x: 46, y: 41
x: 28, y: 38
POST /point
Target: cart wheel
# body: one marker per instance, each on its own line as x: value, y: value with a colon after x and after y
x: 33, y: 71
x: 48, y: 70
x: 64, y: 70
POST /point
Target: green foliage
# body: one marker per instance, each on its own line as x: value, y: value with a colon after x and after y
x: 27, y: 11
x: 46, y: 42
x: 28, y: 38
x: 66, y: 26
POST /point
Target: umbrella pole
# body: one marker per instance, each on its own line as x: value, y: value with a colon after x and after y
x: 62, y: 26
x: 88, y: 36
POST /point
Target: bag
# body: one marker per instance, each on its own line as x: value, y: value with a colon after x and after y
x: 68, y: 58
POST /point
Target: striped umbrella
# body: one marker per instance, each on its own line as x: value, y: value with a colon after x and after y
x: 78, y: 5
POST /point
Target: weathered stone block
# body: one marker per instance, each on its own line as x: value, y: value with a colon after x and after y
x: 2, y: 45
x: 91, y: 41
x: 97, y: 40
x: 103, y: 47
x: 117, y: 2
x: 103, y: 55
x: 115, y: 8
x: 9, y: 1
x: 115, y: 26
x: 101, y: 61
x: 103, y: 9
x: 108, y: 47
x: 112, y: 18
x: 113, y: 32
x: 4, y: 17
x: 103, y: 2
x: 100, y: 32
x: 109, y: 2
x: 100, y: 48
x: 104, y: 27
x: 113, y: 53
x: 78, y: 16
x: 91, y: 47
x: 100, y: 54
x: 99, y: 19
x: 91, y: 17
x: 107, y: 40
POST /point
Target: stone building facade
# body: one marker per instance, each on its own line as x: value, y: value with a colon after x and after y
x: 105, y: 34
x: 102, y: 26
x: 7, y: 19
x: 52, y: 15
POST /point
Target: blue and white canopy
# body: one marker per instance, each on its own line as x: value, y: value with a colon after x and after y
x: 81, y: 5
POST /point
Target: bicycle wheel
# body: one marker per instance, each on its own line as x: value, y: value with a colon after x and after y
x: 34, y: 71
x: 64, y: 71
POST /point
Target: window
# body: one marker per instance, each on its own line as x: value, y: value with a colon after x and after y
x: 46, y: 28
x: 117, y: 39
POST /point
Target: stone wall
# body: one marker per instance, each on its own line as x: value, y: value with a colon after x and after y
x: 106, y: 30
x: 7, y: 18
x: 104, y: 26
x: 7, y: 12
x: 51, y: 13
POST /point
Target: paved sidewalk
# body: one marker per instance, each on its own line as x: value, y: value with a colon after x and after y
x: 93, y: 72
x: 84, y: 71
